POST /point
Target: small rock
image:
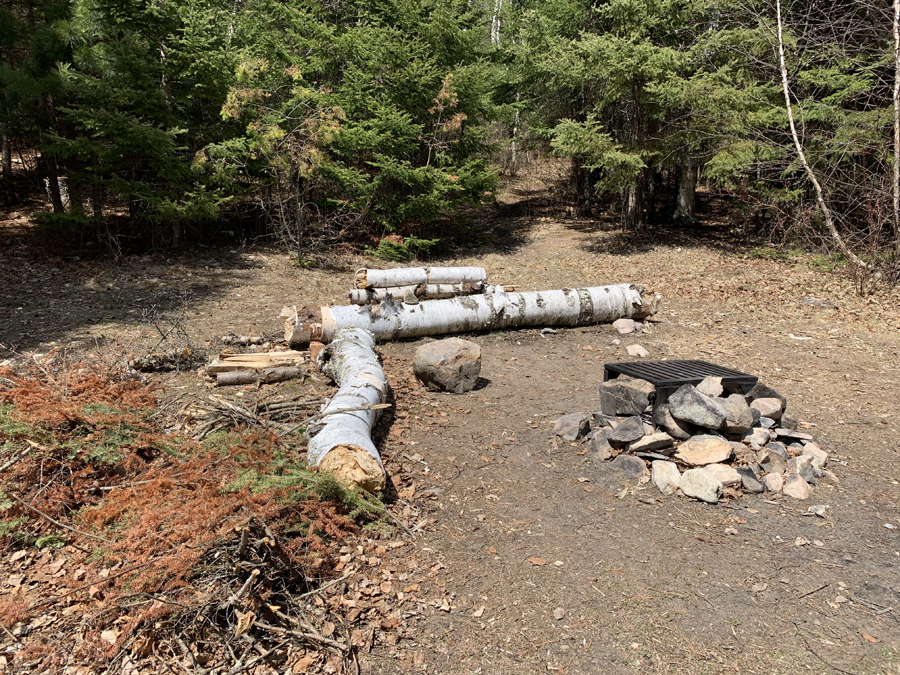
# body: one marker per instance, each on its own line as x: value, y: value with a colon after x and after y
x: 821, y: 510
x: 757, y: 438
x: 773, y: 482
x: 819, y: 456
x: 559, y: 613
x: 738, y: 418
x: 789, y: 422
x: 803, y: 467
x: 724, y: 474
x: 742, y: 454
x: 797, y: 488
x: 766, y: 422
x: 652, y: 441
x: 450, y: 365
x: 631, y: 465
x: 601, y: 421
x: 762, y: 391
x: 599, y: 449
x: 702, y: 450
x: 749, y: 481
x: 772, y: 462
x: 636, y: 350
x: 572, y: 426
x: 779, y: 449
x: 624, y: 326
x: 697, y: 483
x: 675, y: 428
x: 787, y: 433
x: 626, y: 431
x: 665, y: 476
x: 621, y: 398
x: 768, y: 407
x: 711, y: 386
x: 689, y: 405
x: 548, y: 331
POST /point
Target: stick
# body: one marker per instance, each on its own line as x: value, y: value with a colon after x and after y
x: 327, y: 586
x: 59, y: 524
x: 816, y: 590
x: 309, y: 637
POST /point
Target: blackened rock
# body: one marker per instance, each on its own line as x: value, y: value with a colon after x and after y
x: 572, y: 426
x: 600, y: 421
x: 738, y: 418
x: 620, y: 399
x: 675, y: 428
x: 749, y: 481
x: 764, y: 422
x: 626, y: 431
x: 762, y: 391
x: 789, y: 422
x: 599, y: 449
x: 633, y: 466
x: 689, y: 405
x: 779, y: 449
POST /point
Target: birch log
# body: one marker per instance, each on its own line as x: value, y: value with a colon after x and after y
x: 369, y: 296
x: 341, y: 442
x: 413, y: 276
x: 391, y: 320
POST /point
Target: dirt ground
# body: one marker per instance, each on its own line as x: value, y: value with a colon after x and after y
x: 535, y: 558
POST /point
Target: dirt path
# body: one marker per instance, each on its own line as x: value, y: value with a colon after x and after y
x: 631, y: 581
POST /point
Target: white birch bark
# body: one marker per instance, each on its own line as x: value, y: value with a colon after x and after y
x: 567, y: 307
x: 801, y: 155
x: 341, y: 442
x: 369, y: 296
x: 413, y: 276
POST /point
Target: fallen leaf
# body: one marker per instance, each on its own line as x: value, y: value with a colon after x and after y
x: 110, y: 636
x: 870, y: 638
x: 537, y: 560
x: 759, y: 588
x: 245, y: 623
x: 493, y: 550
x: 478, y: 612
x: 302, y: 665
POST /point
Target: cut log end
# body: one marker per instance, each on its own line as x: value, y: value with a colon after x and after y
x: 351, y: 465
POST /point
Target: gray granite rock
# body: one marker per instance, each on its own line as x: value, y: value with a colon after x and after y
x: 618, y: 398
x: 760, y: 390
x: 599, y: 420
x: 689, y: 405
x: 677, y: 429
x: 803, y: 467
x: 779, y: 449
x: 626, y: 431
x: 789, y: 422
x: 749, y: 482
x: 772, y: 462
x: 631, y: 465
x: 450, y: 365
x: 711, y: 386
x: 650, y: 442
x: 700, y: 450
x: 819, y: 456
x: 724, y: 474
x: 665, y: 476
x: 757, y: 438
x: 768, y: 407
x: 765, y: 422
x: 599, y: 449
x: 738, y: 418
x: 773, y: 482
x: 572, y: 426
x: 698, y: 484
x: 797, y: 488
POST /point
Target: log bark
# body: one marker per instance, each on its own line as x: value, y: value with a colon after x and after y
x: 370, y: 296
x: 264, y: 376
x: 567, y: 307
x: 413, y: 276
x: 341, y: 443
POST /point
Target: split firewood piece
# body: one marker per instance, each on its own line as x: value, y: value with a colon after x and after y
x: 264, y: 376
x: 413, y: 294
x: 413, y: 276
x: 258, y: 361
x: 391, y: 320
x: 341, y: 442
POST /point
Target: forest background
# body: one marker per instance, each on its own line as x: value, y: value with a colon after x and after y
x: 154, y: 123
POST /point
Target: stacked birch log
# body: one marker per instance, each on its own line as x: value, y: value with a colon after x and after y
x: 413, y: 302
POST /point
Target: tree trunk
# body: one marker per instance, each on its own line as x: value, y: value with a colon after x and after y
x: 414, y: 293
x: 412, y: 276
x: 5, y: 154
x: 395, y: 320
x: 633, y: 205
x: 341, y: 443
x: 52, y: 183
x: 687, y: 190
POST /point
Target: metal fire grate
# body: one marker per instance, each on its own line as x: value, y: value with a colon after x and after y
x: 668, y: 376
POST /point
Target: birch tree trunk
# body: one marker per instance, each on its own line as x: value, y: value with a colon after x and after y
x: 393, y: 320
x: 413, y: 276
x: 369, y: 296
x: 801, y: 155
x: 341, y: 443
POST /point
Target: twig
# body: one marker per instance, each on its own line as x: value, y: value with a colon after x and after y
x: 815, y: 590
x: 814, y: 653
x: 309, y: 637
x: 327, y: 586
x: 54, y: 598
x: 238, y: 668
x: 59, y: 524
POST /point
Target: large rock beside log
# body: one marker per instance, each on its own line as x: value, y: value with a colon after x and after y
x: 450, y: 365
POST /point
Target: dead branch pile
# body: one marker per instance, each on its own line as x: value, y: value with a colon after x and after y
x: 201, y: 418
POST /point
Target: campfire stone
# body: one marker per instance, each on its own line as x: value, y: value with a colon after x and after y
x: 689, y: 405
x: 766, y: 422
x: 675, y: 428
x: 803, y: 467
x: 656, y: 441
x: 749, y: 481
x: 665, y: 476
x: 631, y: 465
x: 742, y: 454
x: 757, y: 438
x: 599, y: 420
x: 779, y: 449
x: 572, y: 426
x: 738, y: 418
x: 618, y: 398
x: 697, y: 483
x: 599, y: 448
x: 762, y: 391
x: 789, y: 422
x: 768, y: 407
x: 797, y: 488
x: 787, y: 433
x: 771, y: 461
x: 626, y: 431
x: 624, y: 326
x: 773, y: 482
x: 701, y: 450
x: 711, y: 386
x: 450, y: 365
x: 723, y: 473
x: 819, y: 456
